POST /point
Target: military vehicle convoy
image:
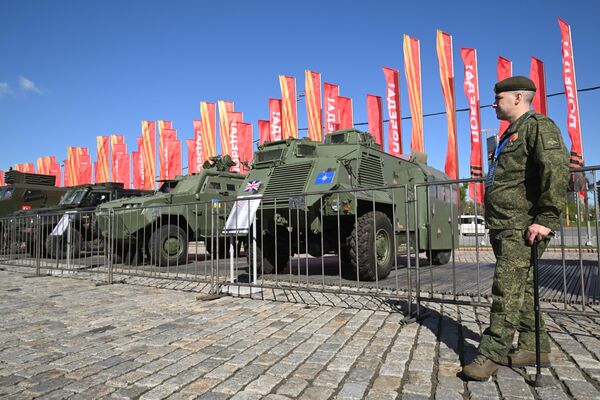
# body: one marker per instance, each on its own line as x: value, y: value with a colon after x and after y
x: 47, y: 228
x: 158, y: 228
x: 359, y: 225
x: 26, y: 191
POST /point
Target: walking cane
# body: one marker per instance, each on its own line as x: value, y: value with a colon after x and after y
x: 538, y: 318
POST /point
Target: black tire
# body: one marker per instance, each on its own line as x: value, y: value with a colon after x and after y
x: 168, y: 246
x: 266, y: 257
x: 375, y: 253
x: 56, y: 246
x: 440, y: 257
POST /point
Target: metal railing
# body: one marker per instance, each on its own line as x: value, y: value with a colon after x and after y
x: 390, y: 245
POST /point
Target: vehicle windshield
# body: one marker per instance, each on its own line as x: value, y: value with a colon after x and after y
x: 268, y: 155
x: 167, y: 186
x: 72, y: 197
x: 6, y: 192
x: 186, y: 186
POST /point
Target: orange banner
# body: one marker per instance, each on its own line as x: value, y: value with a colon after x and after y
x: 26, y: 167
x: 55, y: 170
x: 84, y: 166
x: 224, y: 125
x: 149, y: 154
x: 245, y: 136
x: 208, y: 116
x: 412, y: 70
x: 446, y: 63
x: 392, y: 95
x: 346, y: 112
x: 312, y: 89
x: 195, y: 153
x: 573, y: 121
x: 504, y: 70
x: 264, y: 131
x: 538, y: 76
x: 190, y: 144
x: 275, y: 119
x: 289, y: 107
x: 120, y: 170
x: 332, y: 110
x: 71, y: 175
x: 172, y: 150
x: 375, y: 119
x: 234, y: 119
x: 471, y: 87
x: 102, y: 150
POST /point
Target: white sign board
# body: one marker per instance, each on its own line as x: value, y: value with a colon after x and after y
x: 62, y: 225
x: 242, y: 215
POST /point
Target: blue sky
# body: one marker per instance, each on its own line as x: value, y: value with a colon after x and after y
x: 72, y: 70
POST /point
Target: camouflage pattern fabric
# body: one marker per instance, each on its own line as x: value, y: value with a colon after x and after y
x: 512, y: 293
x: 529, y: 186
x: 531, y: 176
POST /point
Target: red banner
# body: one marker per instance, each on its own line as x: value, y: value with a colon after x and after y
x: 208, y: 116
x: 471, y: 86
x: 71, y: 176
x: 1, y: 178
x: 55, y: 170
x: 289, y: 107
x: 102, y: 149
x: 190, y: 144
x: 164, y: 135
x: 138, y: 176
x: 538, y: 76
x: 26, y: 167
x: 120, y: 170
x: 312, y: 89
x: 264, y: 131
x: 504, y: 71
x: 412, y: 70
x: 234, y: 119
x: 149, y: 154
x: 224, y: 125
x: 375, y: 119
x: 245, y: 146
x: 85, y: 168
x: 172, y: 150
x: 275, y: 119
x: 332, y: 112
x: 195, y: 152
x: 446, y: 62
x: 573, y: 121
x: 392, y: 95
x: 346, y: 112
x: 164, y: 125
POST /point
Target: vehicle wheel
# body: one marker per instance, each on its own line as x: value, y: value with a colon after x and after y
x: 266, y: 256
x: 32, y: 243
x: 56, y: 246
x: 375, y: 252
x: 168, y: 246
x: 440, y: 257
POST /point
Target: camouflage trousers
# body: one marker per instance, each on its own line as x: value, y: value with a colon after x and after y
x: 512, y: 294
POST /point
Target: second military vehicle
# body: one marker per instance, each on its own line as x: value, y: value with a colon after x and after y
x: 158, y: 228
x: 26, y: 191
x: 47, y: 228
x: 349, y: 216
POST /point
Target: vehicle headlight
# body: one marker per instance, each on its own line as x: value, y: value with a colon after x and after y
x: 335, y: 205
x: 134, y: 205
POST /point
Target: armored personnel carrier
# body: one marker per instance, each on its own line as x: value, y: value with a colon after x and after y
x: 158, y: 228
x: 48, y: 227
x: 321, y: 198
x: 26, y: 191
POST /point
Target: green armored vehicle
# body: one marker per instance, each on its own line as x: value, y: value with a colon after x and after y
x: 26, y: 191
x: 359, y: 225
x: 47, y: 228
x: 158, y: 228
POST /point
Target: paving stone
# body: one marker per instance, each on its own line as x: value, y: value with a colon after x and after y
x: 352, y: 391
x: 263, y: 385
x: 483, y: 390
x: 292, y: 387
x: 316, y: 393
x: 582, y: 390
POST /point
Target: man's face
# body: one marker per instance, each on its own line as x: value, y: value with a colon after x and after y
x: 504, y: 104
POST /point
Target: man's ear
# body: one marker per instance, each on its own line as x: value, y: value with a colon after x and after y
x: 518, y: 98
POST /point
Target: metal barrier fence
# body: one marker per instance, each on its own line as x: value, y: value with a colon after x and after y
x: 401, y: 243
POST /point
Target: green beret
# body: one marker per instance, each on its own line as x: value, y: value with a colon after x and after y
x: 514, y: 83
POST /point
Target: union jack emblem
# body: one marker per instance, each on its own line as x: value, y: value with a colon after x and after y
x: 252, y: 186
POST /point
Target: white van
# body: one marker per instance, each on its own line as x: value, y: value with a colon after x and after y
x: 467, y: 223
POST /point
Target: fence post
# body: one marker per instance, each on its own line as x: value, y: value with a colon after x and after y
x: 109, y: 245
x: 38, y: 247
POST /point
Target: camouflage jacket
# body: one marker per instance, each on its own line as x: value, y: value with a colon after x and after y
x: 530, y: 181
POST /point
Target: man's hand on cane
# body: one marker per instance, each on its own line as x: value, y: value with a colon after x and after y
x: 537, y: 232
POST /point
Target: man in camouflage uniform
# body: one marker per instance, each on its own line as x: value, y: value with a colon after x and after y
x: 526, y: 190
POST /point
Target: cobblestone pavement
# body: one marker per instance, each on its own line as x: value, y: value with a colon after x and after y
x: 70, y: 338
